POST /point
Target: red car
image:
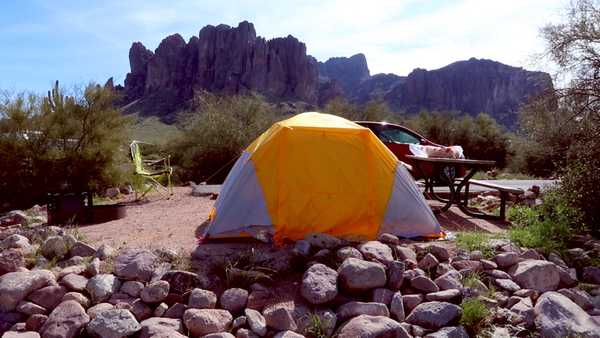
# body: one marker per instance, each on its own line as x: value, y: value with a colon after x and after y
x: 403, y: 141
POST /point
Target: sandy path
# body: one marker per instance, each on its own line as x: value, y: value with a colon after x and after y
x: 156, y: 223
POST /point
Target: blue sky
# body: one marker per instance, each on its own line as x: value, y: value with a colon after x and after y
x: 81, y: 41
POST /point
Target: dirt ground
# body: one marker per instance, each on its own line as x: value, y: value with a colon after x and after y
x: 172, y: 223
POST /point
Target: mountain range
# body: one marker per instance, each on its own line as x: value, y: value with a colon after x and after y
x: 234, y: 60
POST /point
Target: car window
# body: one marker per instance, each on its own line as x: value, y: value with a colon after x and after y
x: 398, y: 135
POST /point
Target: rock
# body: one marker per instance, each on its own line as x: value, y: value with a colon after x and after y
x: 411, y: 301
x: 302, y: 248
x: 396, y: 275
x: 96, y: 309
x: 78, y: 297
x: 280, y: 316
x: 450, y: 332
x: 162, y: 328
x: 256, y: 321
x: 219, y: 335
x: 205, y: 321
x: 132, y: 288
x: 8, y: 319
x: 245, y: 333
x: 16, y: 241
x: 568, y: 277
x: 155, y: 292
x: 467, y: 264
x: 497, y: 274
x: 434, y: 315
x: 11, y: 260
x: 35, y: 322
x: 476, y: 255
x: 397, y: 306
x: 507, y: 284
x: 405, y: 253
x: 356, y: 275
x: 288, y: 334
x: 66, y: 321
x: 176, y: 311
x: 160, y: 310
x: 376, y: 251
x: 323, y: 241
x: 579, y: 297
x: 507, y: 259
x: 424, y: 284
x: 112, y: 192
x: 202, y: 299
x: 27, y: 334
x: 93, y: 268
x: 14, y: 217
x: 183, y: 281
x: 29, y: 308
x: 48, y: 297
x: 234, y: 300
x: 557, y: 316
x: 382, y: 295
x: 591, y: 274
x: 114, y: 324
x: 440, y: 252
x: 449, y: 280
x: 319, y: 284
x: 524, y: 308
x: 82, y: 249
x: 488, y: 265
x: 366, y: 326
x: 449, y: 295
x: 531, y: 254
x: 121, y: 298
x: 348, y: 252
x: 428, y: 262
x: 105, y: 251
x: 15, y: 286
x: 353, y: 309
x: 54, y: 247
x: 74, y: 282
x: 101, y: 287
x: 135, y: 264
x: 389, y: 239
x: 536, y: 274
x: 140, y: 310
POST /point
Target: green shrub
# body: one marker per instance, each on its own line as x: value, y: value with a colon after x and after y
x: 547, y: 226
x: 474, y: 315
x: 475, y: 240
x: 374, y: 110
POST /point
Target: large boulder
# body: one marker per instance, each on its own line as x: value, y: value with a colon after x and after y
x: 256, y: 322
x: 558, y: 316
x: 234, y: 300
x: 156, y: 327
x: 16, y: 241
x: 55, y: 247
x: 11, y: 260
x: 353, y: 309
x: 48, y: 296
x: 155, y: 292
x: 66, y: 321
x: 114, y: 323
x: 319, y: 284
x: 15, y: 286
x: 135, y: 264
x: 366, y: 326
x: 74, y: 282
x: 201, y: 322
x: 202, y: 299
x: 356, y: 275
x: 536, y: 274
x: 376, y: 251
x: 102, y: 287
x: 184, y: 281
x: 434, y: 315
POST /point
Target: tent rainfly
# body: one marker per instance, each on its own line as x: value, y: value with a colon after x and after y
x: 320, y: 173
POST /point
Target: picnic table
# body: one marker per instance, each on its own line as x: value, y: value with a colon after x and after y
x: 444, y: 171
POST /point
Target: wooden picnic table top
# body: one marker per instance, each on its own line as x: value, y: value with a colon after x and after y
x: 463, y: 161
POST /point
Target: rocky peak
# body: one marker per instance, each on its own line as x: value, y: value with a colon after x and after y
x: 350, y: 72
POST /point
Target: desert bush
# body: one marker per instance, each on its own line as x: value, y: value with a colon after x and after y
x: 474, y: 315
x: 374, y: 110
x: 59, y: 143
x: 216, y: 132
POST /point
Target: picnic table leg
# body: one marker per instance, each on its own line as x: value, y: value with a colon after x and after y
x: 464, y: 207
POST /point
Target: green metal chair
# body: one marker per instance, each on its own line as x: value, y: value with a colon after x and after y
x: 148, y: 174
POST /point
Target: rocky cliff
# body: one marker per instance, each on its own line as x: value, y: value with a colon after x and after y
x: 234, y: 60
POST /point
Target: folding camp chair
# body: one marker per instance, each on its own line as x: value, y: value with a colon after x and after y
x: 149, y: 173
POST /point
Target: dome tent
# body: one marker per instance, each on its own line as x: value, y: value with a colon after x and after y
x: 320, y: 173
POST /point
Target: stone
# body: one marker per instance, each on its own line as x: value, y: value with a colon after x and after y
x: 155, y: 292
x: 405, y: 253
x: 524, y: 308
x: 54, y: 247
x: 579, y: 297
x: 105, y: 252
x: 397, y: 306
x: 396, y: 275
x: 219, y: 335
x: 288, y: 334
x: 591, y: 274
x: 15, y: 286
x: 26, y: 334
x: 141, y: 310
x: 568, y: 277
x: 280, y: 316
x: 160, y: 310
x: 382, y: 295
x: 93, y: 268
x: 35, y: 322
x: 101, y: 287
x: 323, y: 241
x: 114, y: 323
x: 449, y: 295
x: 531, y: 254
x: 319, y: 284
x: 428, y: 262
x: 507, y: 284
x: 387, y: 238
x: 256, y: 322
x: 132, y: 288
x: 353, y: 309
x: 376, y: 251
x: 100, y: 307
x: 74, y: 282
x: 440, y: 252
x: 82, y: 249
x: 162, y: 328
x: 302, y: 248
x: 497, y: 274
x: 183, y: 281
x: 135, y: 264
x: 558, y: 316
x: 112, y: 192
x: 450, y: 332
x: 14, y: 217
x: 536, y: 274
x: 507, y: 259
x: 234, y: 300
x: 348, y: 252
x: 78, y: 297
x: 466, y: 264
x: 476, y: 255
x: 66, y: 321
x: 366, y: 326
x: 488, y: 265
x: 449, y: 280
x: 202, y: 299
x: 245, y: 333
x: 9, y: 319
x: 11, y: 260
x: 121, y: 298
x: 356, y: 275
x: 176, y: 311
x: 205, y: 321
x: 424, y: 284
x: 29, y: 308
x: 434, y: 315
x: 411, y: 301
